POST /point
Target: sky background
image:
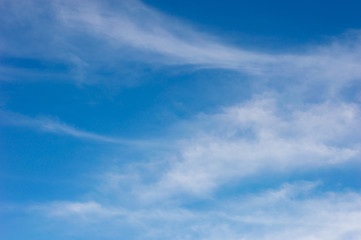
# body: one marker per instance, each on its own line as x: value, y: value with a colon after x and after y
x: 236, y: 120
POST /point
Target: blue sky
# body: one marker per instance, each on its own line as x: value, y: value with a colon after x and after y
x: 180, y: 120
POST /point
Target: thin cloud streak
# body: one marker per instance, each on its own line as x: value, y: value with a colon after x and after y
x: 49, y: 125
x: 136, y: 25
x: 132, y: 30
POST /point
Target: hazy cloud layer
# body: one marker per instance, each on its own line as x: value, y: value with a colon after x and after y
x: 291, y: 211
x: 258, y: 136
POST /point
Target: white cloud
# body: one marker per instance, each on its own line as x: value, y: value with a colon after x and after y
x: 284, y: 213
x: 50, y: 125
x: 87, y: 210
x: 258, y: 136
x: 135, y: 24
x: 261, y: 135
x: 112, y: 32
x: 138, y: 26
x: 294, y: 211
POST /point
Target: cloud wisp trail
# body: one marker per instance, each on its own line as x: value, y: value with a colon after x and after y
x: 136, y: 25
x: 133, y: 30
x: 46, y: 124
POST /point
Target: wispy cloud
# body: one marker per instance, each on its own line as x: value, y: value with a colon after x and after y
x: 91, y: 211
x: 257, y: 137
x: 50, y: 125
x: 246, y: 141
x: 135, y: 24
x: 279, y: 213
x: 268, y: 133
x: 141, y: 27
x: 133, y: 30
